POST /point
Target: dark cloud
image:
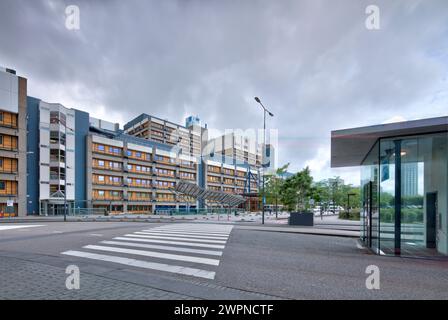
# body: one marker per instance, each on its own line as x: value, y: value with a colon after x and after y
x: 313, y: 63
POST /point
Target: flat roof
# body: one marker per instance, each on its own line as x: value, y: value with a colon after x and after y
x: 349, y: 147
x: 143, y: 116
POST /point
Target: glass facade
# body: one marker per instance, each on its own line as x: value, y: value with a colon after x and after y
x: 404, y: 186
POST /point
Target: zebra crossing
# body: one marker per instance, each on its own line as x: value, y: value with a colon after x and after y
x: 186, y: 249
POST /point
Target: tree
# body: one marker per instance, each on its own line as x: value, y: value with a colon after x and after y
x: 327, y: 191
x: 273, y: 186
x: 296, y: 190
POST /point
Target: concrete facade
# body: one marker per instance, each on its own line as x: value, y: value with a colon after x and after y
x: 13, y: 153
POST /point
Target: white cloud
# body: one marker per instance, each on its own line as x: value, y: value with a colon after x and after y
x: 313, y: 63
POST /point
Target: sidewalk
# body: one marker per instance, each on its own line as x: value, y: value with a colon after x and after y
x: 302, y: 230
x: 327, y: 228
x: 94, y: 218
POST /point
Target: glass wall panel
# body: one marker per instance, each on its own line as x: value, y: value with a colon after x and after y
x: 387, y: 196
x: 423, y: 202
x: 412, y: 164
x: 433, y: 157
x: 369, y: 195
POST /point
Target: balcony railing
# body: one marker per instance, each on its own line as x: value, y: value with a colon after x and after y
x: 165, y: 175
x: 9, y: 171
x: 165, y: 161
x: 111, y: 198
x: 165, y: 200
x: 140, y: 199
x: 8, y: 148
x: 106, y: 168
x: 105, y: 183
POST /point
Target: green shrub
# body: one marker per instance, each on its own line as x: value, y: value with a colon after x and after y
x: 354, y: 214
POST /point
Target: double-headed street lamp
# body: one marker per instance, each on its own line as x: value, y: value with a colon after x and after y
x: 264, y: 149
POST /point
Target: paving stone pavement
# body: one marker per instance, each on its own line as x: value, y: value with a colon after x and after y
x: 27, y: 280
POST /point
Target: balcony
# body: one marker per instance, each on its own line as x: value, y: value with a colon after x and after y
x: 188, y: 165
x: 165, y: 200
x: 135, y: 198
x: 165, y: 175
x: 8, y: 148
x: 107, y: 198
x: 171, y: 162
x: 97, y: 167
x: 187, y: 178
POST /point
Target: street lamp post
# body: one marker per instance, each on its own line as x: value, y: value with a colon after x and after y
x: 264, y: 149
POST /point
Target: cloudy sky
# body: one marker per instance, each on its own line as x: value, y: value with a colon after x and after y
x: 314, y: 64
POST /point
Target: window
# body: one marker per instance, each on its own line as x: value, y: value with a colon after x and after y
x: 1, y: 139
x: 100, y: 147
x: 116, y: 151
x: 101, y: 193
x: 129, y: 166
x: 1, y: 116
x: 138, y: 154
x: 1, y: 163
x: 129, y: 153
x: 101, y: 178
x: 101, y: 163
x: 2, y: 185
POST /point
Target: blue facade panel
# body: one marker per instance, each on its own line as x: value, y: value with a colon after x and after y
x: 32, y: 160
x: 81, y: 132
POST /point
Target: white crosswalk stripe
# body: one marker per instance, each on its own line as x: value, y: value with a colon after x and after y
x: 144, y: 264
x: 137, y: 235
x: 226, y: 235
x: 166, y: 248
x: 19, y: 226
x: 186, y: 244
x: 183, y: 235
x: 155, y: 254
x: 180, y: 243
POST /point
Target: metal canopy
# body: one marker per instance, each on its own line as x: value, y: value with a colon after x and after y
x: 349, y: 147
x: 193, y: 190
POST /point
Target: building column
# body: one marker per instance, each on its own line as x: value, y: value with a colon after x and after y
x: 22, y: 199
x: 397, y: 226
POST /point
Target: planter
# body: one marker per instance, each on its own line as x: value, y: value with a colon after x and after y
x: 301, y: 219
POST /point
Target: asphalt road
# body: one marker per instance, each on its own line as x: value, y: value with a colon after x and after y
x: 125, y: 260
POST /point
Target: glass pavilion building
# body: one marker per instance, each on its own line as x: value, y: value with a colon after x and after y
x: 404, y: 178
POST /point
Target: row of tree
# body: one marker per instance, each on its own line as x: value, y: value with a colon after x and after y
x: 296, y: 191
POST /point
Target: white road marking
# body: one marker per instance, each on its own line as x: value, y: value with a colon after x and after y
x: 226, y: 234
x: 181, y: 243
x: 174, y: 238
x: 194, y: 229
x: 154, y: 254
x: 11, y: 227
x: 96, y: 235
x: 144, y: 264
x: 183, y: 235
x: 165, y: 248
x: 201, y: 227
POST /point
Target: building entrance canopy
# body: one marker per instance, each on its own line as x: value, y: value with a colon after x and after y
x: 193, y: 190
